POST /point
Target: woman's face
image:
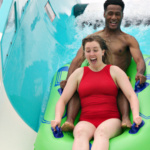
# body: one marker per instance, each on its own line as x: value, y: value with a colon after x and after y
x: 93, y: 52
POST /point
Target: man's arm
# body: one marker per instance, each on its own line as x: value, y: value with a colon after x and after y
x: 76, y: 63
x: 138, y: 58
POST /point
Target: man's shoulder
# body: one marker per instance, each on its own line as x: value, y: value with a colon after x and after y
x: 127, y: 36
x: 128, y: 39
x: 96, y: 33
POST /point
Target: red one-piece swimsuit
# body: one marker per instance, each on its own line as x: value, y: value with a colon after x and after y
x: 98, y: 93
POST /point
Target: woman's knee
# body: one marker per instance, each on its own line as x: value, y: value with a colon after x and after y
x: 78, y: 132
x: 84, y: 129
x: 101, y: 132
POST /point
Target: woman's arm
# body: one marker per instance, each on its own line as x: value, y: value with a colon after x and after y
x: 68, y: 92
x: 124, y: 84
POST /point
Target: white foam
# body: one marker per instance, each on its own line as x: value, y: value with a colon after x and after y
x: 136, y: 12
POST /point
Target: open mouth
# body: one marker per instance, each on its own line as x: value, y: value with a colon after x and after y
x: 93, y: 60
x: 113, y: 23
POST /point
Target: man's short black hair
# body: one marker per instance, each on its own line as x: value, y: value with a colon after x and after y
x: 113, y: 2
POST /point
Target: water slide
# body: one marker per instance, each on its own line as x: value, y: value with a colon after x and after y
x: 32, y: 48
x: 37, y: 37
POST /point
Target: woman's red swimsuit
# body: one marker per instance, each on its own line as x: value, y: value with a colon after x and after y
x: 98, y: 93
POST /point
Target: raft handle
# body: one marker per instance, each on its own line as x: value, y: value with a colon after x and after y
x: 135, y: 129
x: 58, y: 132
x: 140, y: 87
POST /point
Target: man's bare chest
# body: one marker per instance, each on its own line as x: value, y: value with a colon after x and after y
x: 116, y: 44
x: 118, y: 49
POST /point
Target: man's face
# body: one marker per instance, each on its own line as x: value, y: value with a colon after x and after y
x: 113, y: 16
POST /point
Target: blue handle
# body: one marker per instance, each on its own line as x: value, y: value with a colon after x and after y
x: 137, y: 85
x: 140, y: 87
x: 58, y: 132
x: 60, y: 90
x: 135, y: 129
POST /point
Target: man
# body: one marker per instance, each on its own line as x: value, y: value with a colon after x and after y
x: 122, y: 47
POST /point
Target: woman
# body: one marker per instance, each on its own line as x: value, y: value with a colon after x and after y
x: 97, y: 86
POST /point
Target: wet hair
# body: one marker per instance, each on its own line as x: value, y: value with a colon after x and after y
x: 114, y: 2
x: 100, y: 41
x: 96, y: 38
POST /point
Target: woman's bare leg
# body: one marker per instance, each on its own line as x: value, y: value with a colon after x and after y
x: 83, y: 132
x: 106, y: 130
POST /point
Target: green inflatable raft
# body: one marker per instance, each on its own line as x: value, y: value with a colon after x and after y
x: 140, y: 141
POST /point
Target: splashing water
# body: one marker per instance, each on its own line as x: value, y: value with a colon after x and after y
x: 136, y: 22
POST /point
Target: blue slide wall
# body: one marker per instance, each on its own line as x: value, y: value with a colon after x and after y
x: 32, y: 52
